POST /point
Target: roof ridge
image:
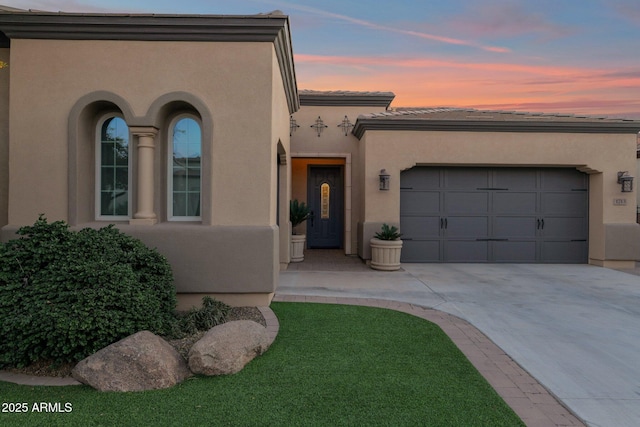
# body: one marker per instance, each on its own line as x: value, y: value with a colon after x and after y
x: 409, y: 111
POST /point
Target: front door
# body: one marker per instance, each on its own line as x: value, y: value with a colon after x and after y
x: 326, y: 200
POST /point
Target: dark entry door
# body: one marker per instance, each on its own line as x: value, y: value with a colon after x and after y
x: 325, y: 198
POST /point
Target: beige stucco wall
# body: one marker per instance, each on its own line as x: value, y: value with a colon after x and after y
x: 237, y: 86
x: 332, y: 147
x: 4, y: 137
x: 599, y: 155
x: 229, y: 77
x: 280, y: 164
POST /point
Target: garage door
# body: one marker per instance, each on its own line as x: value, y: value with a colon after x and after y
x: 527, y: 215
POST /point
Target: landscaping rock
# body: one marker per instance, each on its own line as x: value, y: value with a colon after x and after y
x: 142, y: 361
x: 227, y: 348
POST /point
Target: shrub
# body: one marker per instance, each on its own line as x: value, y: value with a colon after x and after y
x: 64, y: 295
x: 211, y: 313
x: 298, y: 212
x: 388, y: 233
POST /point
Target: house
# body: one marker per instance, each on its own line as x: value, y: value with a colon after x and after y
x: 189, y: 132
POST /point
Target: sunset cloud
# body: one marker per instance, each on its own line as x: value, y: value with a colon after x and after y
x: 442, y: 82
x: 548, y: 56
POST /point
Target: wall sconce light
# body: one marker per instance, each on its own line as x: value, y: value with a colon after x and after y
x: 626, y: 181
x: 384, y: 180
x: 319, y: 126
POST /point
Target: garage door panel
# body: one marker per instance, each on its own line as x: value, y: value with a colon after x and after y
x: 570, y: 203
x: 466, y: 202
x: 421, y: 251
x: 420, y: 202
x: 422, y: 178
x: 565, y: 227
x: 515, y: 179
x: 564, y: 252
x: 467, y: 227
x: 415, y: 227
x: 563, y: 179
x: 514, y: 227
x: 466, y: 178
x: 525, y: 203
x: 466, y: 251
x: 515, y: 251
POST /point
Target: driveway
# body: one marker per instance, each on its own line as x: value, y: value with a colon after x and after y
x: 575, y: 328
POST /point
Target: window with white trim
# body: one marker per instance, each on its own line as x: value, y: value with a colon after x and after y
x: 113, y: 165
x: 184, y: 174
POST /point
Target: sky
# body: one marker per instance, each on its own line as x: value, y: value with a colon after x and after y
x: 555, y: 56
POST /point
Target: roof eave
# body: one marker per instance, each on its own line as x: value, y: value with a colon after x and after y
x: 364, y: 124
x: 349, y: 100
x: 141, y: 27
x: 272, y: 28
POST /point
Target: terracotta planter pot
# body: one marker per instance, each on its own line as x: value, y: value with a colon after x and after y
x: 385, y: 254
x: 297, y: 247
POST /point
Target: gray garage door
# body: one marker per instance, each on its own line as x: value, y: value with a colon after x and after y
x: 528, y: 215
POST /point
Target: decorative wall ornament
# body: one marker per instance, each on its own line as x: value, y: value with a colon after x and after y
x: 319, y: 126
x: 346, y: 125
x: 293, y: 126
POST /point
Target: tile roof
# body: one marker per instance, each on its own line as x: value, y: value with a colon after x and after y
x: 472, y: 120
x: 471, y: 114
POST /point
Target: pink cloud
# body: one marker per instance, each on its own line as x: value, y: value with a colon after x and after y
x: 442, y: 82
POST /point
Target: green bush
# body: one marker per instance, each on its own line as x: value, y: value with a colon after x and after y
x: 64, y: 295
x: 212, y: 313
x: 388, y: 233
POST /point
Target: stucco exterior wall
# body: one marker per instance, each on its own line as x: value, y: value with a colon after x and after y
x: 229, y: 77
x: 4, y: 138
x: 280, y: 164
x: 599, y: 155
x: 237, y: 90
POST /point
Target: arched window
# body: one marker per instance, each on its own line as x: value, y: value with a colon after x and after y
x: 185, y: 154
x: 113, y: 180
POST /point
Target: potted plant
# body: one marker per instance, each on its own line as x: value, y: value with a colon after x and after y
x: 385, y: 249
x: 298, y: 213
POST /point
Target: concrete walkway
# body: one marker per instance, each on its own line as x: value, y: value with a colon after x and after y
x: 574, y: 328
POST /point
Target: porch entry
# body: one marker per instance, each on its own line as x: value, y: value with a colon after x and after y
x: 325, y: 197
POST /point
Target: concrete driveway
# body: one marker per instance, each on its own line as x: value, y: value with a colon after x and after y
x: 575, y: 328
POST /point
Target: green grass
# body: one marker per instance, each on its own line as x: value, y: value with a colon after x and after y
x: 330, y: 365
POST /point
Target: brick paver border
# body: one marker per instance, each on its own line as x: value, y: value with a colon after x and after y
x: 524, y: 394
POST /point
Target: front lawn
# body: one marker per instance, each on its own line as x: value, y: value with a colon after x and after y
x: 330, y: 365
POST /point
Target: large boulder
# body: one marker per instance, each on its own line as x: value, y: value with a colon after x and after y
x: 142, y: 361
x: 227, y: 348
